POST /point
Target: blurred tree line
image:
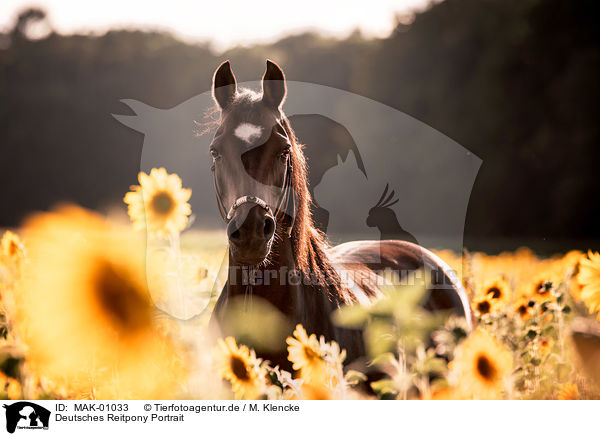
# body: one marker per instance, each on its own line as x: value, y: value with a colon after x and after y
x: 514, y: 81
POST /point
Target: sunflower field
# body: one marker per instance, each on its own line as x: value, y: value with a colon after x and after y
x: 95, y: 307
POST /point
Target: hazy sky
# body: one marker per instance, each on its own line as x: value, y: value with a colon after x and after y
x: 225, y: 22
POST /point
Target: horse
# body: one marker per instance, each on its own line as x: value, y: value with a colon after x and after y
x: 260, y: 179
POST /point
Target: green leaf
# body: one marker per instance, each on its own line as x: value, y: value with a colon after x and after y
x: 352, y: 316
x: 353, y: 377
x: 384, y: 386
x: 380, y: 338
x: 384, y: 359
x: 435, y: 366
x: 439, y: 383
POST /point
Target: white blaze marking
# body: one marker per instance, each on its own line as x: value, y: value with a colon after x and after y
x: 248, y: 132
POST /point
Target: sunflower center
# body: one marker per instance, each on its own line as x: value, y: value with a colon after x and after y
x: 238, y: 367
x: 310, y: 354
x: 522, y: 309
x: 495, y: 292
x: 483, y: 307
x: 542, y: 288
x: 162, y: 203
x: 486, y: 368
x: 121, y: 298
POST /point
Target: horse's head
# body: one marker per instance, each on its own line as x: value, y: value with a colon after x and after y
x: 252, y: 164
x: 382, y: 211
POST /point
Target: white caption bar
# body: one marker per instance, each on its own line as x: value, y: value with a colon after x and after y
x: 299, y: 417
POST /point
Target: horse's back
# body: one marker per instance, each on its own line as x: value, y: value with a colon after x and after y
x: 445, y: 291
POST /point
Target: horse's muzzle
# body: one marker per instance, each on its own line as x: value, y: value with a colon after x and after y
x: 250, y: 232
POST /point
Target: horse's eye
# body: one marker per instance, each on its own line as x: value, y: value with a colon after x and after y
x: 214, y: 153
x: 284, y: 154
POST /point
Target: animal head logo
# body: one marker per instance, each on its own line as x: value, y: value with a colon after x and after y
x: 26, y: 415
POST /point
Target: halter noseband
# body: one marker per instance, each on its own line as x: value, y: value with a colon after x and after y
x: 247, y: 199
x: 287, y: 197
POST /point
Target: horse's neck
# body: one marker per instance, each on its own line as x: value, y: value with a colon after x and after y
x: 269, y: 281
x: 281, y: 284
x: 301, y: 301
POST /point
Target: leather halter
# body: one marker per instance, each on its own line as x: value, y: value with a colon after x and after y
x: 285, y: 203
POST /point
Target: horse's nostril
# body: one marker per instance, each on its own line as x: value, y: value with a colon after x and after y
x: 235, y: 235
x: 233, y: 232
x: 269, y: 228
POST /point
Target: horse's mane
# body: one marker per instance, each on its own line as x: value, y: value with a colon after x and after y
x: 308, y: 243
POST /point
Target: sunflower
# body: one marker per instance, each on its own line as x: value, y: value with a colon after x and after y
x: 524, y: 307
x: 484, y: 305
x: 539, y: 288
x: 316, y: 391
x: 497, y: 289
x: 13, y: 389
x: 3, y: 380
x: 447, y: 393
x: 11, y: 247
x: 241, y: 368
x: 570, y: 261
x: 482, y: 365
x: 589, y: 279
x: 544, y: 345
x: 575, y: 287
x: 568, y: 391
x: 305, y: 354
x: 12, y: 255
x: 159, y: 203
x: 84, y: 312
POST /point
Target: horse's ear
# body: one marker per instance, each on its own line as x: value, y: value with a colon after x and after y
x: 224, y: 85
x: 273, y: 85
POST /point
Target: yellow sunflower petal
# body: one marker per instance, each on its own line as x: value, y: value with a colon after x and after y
x: 159, y: 204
